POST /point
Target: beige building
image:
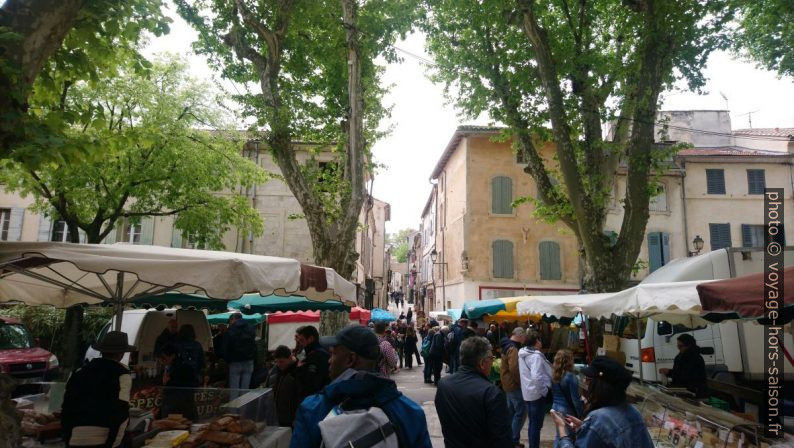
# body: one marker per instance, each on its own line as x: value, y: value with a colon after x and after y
x: 488, y: 249
x: 484, y: 247
x: 286, y: 233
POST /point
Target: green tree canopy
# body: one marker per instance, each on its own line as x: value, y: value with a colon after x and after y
x: 558, y: 71
x: 311, y: 75
x: 766, y: 33
x: 164, y: 152
x: 399, y: 244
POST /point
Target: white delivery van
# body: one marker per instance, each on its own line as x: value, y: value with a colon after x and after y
x: 144, y: 326
x: 731, y: 350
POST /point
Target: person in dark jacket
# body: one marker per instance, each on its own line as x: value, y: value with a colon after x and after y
x: 471, y: 409
x: 190, y: 351
x: 357, y: 385
x: 169, y: 335
x: 285, y: 385
x: 312, y: 371
x: 689, y: 369
x: 96, y: 402
x: 179, y: 381
x: 410, y: 347
x: 437, y: 347
x: 409, y: 316
x: 240, y: 351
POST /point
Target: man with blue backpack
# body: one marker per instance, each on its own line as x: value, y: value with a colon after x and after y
x: 359, y: 408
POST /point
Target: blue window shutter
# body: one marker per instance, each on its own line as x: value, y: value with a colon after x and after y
x: 501, y: 195
x: 665, y: 248
x: 715, y: 181
x: 756, y: 181
x: 720, y: 236
x: 550, y: 261
x: 747, y: 235
x: 502, y: 259
x: 654, y: 251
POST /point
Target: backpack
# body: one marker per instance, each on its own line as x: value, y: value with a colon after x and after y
x: 426, y: 343
x: 359, y: 428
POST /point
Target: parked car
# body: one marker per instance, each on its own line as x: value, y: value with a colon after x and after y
x: 20, y: 355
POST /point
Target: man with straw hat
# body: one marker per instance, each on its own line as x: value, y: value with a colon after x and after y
x: 96, y: 404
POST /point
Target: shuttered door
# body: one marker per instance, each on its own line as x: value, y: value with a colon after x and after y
x: 715, y: 181
x: 550, y: 261
x: 756, y: 181
x: 720, y: 236
x: 501, y: 195
x: 665, y: 248
x: 16, y: 217
x: 45, y: 228
x: 502, y: 259
x: 655, y: 260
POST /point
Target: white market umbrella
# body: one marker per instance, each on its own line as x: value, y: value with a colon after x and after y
x: 64, y: 274
x: 675, y: 302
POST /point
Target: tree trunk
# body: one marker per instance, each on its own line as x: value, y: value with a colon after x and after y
x: 42, y: 26
x: 72, y: 342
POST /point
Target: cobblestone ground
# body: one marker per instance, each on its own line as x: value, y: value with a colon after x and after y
x: 410, y: 383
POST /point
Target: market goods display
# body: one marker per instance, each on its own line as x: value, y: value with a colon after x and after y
x: 40, y: 425
x: 225, y: 431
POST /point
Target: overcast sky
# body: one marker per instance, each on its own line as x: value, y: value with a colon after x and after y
x: 423, y: 121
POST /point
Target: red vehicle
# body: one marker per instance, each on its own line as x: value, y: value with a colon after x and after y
x: 20, y: 355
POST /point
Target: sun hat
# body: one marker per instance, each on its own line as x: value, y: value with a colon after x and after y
x: 114, y: 342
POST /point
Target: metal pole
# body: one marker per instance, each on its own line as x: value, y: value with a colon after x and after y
x: 443, y: 283
x: 119, y: 299
x: 639, y: 344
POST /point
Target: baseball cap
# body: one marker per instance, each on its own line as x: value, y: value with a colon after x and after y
x: 359, y: 340
x: 609, y: 370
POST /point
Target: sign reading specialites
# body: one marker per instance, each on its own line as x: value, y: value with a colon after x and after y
x: 207, y: 400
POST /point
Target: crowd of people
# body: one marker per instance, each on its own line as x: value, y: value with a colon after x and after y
x: 349, y: 374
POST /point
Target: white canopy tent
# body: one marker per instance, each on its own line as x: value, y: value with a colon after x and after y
x: 63, y: 274
x: 676, y: 302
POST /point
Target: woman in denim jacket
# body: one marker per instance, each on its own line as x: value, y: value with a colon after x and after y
x: 565, y: 387
x: 610, y: 422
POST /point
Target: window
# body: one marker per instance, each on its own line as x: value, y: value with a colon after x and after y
x: 720, y: 235
x: 131, y: 233
x: 658, y: 250
x: 715, y: 181
x: 658, y: 203
x: 502, y: 259
x: 60, y: 232
x: 502, y: 195
x: 549, y: 260
x: 753, y: 235
x: 756, y: 181
x: 5, y: 223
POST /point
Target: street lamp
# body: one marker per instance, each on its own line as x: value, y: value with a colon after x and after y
x: 697, y: 244
x: 433, y: 258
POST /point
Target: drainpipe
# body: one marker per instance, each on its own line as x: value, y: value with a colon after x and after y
x: 684, y: 205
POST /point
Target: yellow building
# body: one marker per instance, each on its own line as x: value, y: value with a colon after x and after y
x: 487, y: 249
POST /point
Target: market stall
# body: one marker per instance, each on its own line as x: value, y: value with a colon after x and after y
x: 223, y: 318
x: 273, y: 303
x: 379, y: 314
x: 281, y: 326
x: 360, y: 315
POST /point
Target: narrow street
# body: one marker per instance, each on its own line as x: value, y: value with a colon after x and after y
x: 411, y: 383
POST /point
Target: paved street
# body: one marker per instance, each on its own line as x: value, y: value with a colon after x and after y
x: 410, y: 383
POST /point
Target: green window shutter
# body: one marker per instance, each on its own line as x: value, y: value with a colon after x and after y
x: 16, y: 216
x: 147, y: 230
x: 655, y: 260
x: 501, y: 195
x: 756, y: 181
x: 45, y: 228
x: 715, y: 181
x: 502, y: 259
x: 550, y: 268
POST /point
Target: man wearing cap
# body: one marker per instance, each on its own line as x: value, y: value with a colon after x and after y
x: 511, y: 382
x: 96, y: 403
x: 356, y: 384
x: 611, y: 422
